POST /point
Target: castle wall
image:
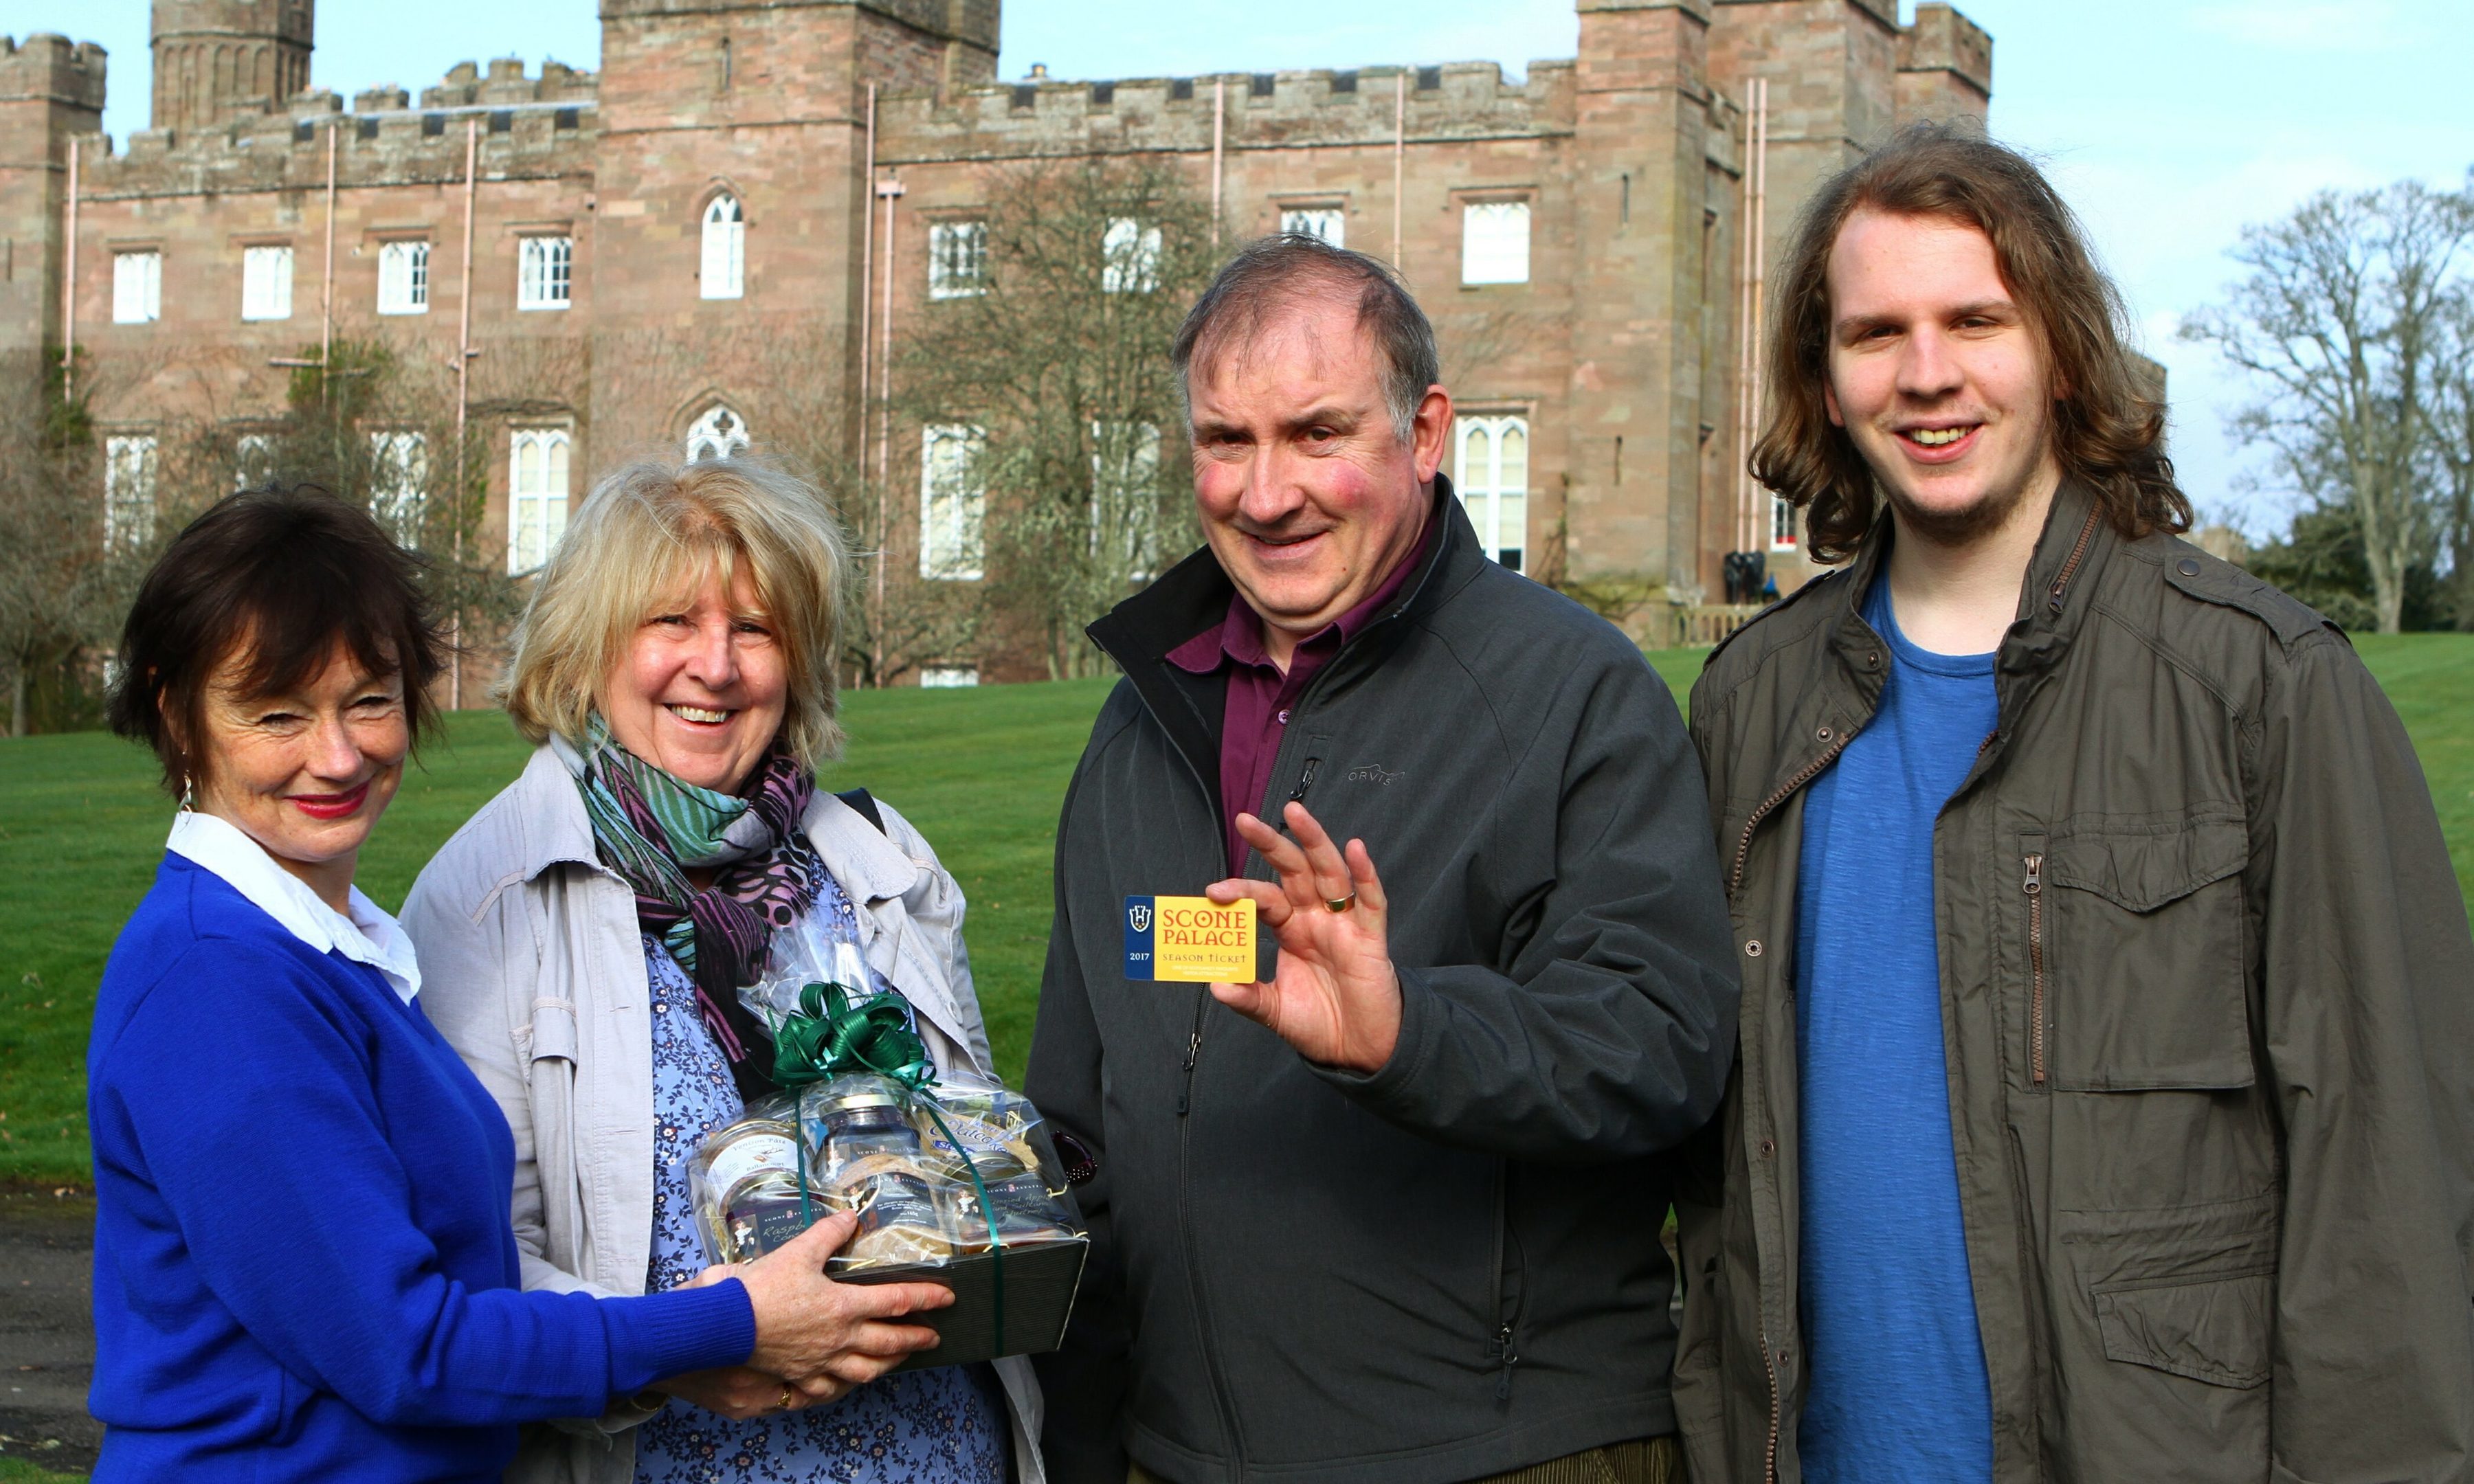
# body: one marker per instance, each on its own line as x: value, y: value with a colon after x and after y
x: 1620, y: 348
x: 202, y: 202
x: 1314, y: 138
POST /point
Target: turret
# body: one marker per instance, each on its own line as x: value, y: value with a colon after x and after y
x: 221, y: 60
x: 51, y: 90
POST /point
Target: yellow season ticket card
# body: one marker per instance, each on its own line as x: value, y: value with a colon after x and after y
x: 1190, y: 940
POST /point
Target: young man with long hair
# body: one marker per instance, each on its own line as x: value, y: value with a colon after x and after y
x: 2101, y: 1112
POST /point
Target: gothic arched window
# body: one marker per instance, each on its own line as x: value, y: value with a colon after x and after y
x: 717, y: 435
x: 725, y: 249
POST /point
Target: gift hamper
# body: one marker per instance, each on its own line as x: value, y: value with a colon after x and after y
x: 952, y: 1177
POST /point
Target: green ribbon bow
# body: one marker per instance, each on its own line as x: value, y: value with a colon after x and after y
x: 836, y: 1032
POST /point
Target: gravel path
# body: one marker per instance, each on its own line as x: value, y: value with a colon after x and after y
x: 46, y: 1332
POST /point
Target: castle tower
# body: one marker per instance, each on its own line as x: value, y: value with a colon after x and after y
x: 50, y: 88
x: 1642, y: 190
x: 219, y: 59
x: 764, y: 100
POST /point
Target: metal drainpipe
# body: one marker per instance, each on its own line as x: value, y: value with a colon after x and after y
x: 866, y: 281
x: 1747, y: 355
x: 68, y: 287
x: 889, y: 190
x: 326, y: 288
x: 1760, y: 265
x: 462, y: 386
x: 1399, y: 156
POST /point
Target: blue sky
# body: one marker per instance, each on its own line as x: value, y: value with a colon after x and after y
x: 2167, y: 123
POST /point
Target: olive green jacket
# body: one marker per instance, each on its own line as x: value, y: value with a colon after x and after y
x: 2208, y: 1009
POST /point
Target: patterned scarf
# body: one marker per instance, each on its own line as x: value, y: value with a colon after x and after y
x: 651, y: 827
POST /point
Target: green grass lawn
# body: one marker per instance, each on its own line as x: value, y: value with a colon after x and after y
x: 979, y: 771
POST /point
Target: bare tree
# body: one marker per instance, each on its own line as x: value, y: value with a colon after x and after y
x: 83, y: 514
x: 783, y: 380
x: 2342, y: 321
x: 50, y: 540
x: 895, y: 622
x: 1039, y: 369
x: 2450, y: 418
x: 375, y: 425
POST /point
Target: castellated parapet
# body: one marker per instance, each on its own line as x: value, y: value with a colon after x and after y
x: 1297, y: 108
x: 1943, y: 40
x: 528, y: 127
x: 506, y: 85
x: 972, y: 22
x: 1579, y: 236
x: 48, y: 68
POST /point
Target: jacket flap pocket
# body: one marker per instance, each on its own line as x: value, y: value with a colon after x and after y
x: 553, y: 1030
x: 2212, y: 1330
x: 2185, y: 1290
x: 2141, y: 866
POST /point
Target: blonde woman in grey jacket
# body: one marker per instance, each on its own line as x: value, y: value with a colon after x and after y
x: 584, y: 937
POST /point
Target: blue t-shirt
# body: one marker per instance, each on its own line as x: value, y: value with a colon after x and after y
x: 1898, y: 1385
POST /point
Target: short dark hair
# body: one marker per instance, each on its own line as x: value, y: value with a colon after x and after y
x: 1277, y: 272
x: 289, y: 573
x: 2108, y: 424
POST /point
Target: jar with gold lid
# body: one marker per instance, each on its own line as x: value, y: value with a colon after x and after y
x: 744, y: 1180
x: 868, y: 1158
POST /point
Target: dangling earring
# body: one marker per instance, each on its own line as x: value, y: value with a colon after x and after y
x: 188, y: 794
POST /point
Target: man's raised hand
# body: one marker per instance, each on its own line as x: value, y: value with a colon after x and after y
x: 1335, y: 996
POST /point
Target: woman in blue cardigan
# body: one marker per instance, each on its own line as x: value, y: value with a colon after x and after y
x: 304, y: 1267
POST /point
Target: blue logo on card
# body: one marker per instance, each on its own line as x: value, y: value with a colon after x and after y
x: 1138, y: 938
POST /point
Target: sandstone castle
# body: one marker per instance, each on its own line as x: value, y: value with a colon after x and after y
x: 1585, y: 239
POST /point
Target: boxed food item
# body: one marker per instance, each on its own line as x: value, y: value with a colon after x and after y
x: 952, y: 1180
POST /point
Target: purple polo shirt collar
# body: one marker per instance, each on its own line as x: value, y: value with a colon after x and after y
x: 1260, y: 698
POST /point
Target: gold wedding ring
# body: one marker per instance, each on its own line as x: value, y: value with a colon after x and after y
x: 1339, y: 903
x: 788, y: 1398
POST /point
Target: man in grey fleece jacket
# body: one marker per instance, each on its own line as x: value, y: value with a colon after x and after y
x: 1394, y: 1214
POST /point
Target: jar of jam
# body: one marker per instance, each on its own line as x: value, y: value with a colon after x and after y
x: 860, y: 1136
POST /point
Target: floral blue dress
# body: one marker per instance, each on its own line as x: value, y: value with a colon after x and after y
x: 946, y: 1425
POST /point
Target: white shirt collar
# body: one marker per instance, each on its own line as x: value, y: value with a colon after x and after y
x: 367, y: 936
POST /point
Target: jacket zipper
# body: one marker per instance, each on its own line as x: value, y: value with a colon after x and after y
x: 1735, y: 885
x: 2035, y: 887
x: 1501, y: 1346
x: 1186, y: 1228
x: 1785, y: 791
x: 2054, y: 599
x: 1193, y: 1049
x: 1227, y: 1405
x: 1769, y: 1460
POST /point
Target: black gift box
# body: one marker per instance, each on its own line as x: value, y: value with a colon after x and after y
x: 1040, y: 1281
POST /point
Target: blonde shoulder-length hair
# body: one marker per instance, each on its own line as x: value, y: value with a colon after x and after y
x: 649, y: 535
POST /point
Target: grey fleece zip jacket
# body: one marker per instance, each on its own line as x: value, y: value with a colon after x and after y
x: 1449, y: 1267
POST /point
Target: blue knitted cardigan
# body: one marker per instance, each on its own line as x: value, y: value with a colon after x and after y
x: 303, y: 1266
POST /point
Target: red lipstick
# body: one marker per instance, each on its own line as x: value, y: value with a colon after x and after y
x: 332, y: 806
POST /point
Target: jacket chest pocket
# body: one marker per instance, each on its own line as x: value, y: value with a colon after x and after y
x: 2136, y: 954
